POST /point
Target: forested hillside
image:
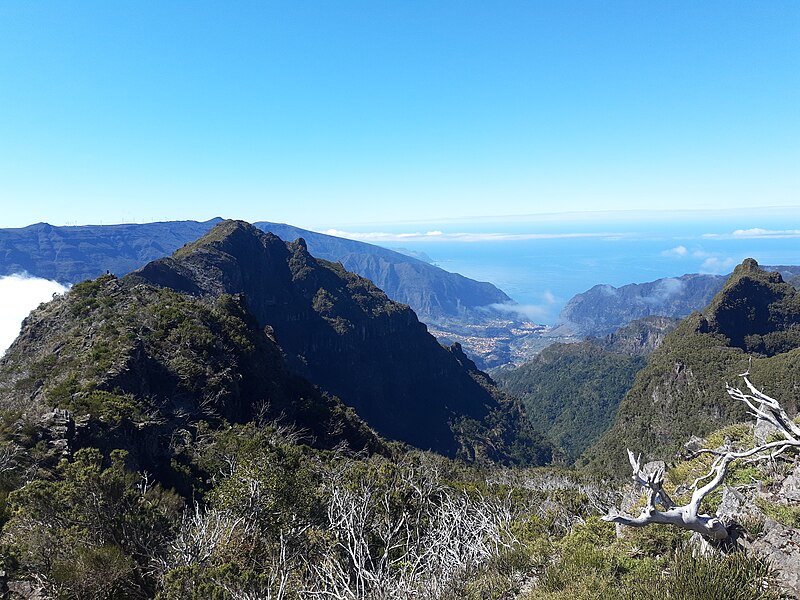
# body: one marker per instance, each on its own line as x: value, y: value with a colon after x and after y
x: 571, y: 391
x: 680, y: 392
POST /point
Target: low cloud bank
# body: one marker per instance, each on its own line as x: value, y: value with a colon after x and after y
x: 439, y: 236
x: 20, y: 294
x: 755, y: 233
x: 532, y: 312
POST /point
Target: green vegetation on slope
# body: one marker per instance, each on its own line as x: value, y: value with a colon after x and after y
x: 681, y: 391
x: 147, y: 487
x: 281, y: 520
x: 571, y: 392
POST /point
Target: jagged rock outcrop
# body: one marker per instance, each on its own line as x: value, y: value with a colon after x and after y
x: 338, y: 330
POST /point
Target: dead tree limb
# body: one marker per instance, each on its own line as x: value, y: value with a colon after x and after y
x: 688, y: 516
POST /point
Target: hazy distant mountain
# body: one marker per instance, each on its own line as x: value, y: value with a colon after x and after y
x: 73, y: 254
x: 604, y: 308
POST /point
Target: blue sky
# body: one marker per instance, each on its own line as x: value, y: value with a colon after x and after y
x: 340, y: 114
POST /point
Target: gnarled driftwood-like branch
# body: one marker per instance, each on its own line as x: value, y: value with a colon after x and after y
x: 688, y: 516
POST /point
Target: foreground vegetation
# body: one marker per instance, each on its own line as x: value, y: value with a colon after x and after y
x: 270, y: 517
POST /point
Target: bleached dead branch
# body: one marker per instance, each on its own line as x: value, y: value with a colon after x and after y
x: 688, y: 516
x: 386, y: 550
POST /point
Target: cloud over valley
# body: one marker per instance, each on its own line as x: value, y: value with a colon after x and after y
x: 20, y: 294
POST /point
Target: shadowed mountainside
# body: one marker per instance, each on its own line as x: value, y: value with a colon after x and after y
x: 344, y: 334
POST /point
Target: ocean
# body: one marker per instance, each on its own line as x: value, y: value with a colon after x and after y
x: 541, y: 264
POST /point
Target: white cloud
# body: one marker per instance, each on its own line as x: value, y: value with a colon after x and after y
x: 429, y: 236
x: 717, y: 266
x: 20, y: 295
x: 533, y: 312
x: 676, y: 251
x: 755, y: 233
x: 665, y: 289
x: 607, y: 290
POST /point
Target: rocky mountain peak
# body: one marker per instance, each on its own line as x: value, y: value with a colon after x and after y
x: 338, y: 330
x: 756, y: 310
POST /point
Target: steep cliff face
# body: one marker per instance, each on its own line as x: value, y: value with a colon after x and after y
x: 640, y: 337
x: 337, y: 329
x: 681, y: 391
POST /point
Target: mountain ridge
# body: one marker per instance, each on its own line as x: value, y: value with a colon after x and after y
x: 74, y: 253
x: 453, y: 304
x: 338, y: 330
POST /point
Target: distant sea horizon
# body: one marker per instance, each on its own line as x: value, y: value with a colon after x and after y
x: 541, y: 263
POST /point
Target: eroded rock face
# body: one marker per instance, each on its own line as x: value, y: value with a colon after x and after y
x: 790, y: 488
x: 762, y: 536
x: 781, y: 546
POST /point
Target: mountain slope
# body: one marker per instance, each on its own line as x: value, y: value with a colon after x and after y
x: 136, y: 366
x: 572, y: 391
x: 341, y: 332
x: 681, y: 391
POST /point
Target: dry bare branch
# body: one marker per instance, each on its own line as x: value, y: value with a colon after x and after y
x: 688, y: 516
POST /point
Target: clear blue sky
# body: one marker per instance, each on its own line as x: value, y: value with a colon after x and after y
x: 326, y: 114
